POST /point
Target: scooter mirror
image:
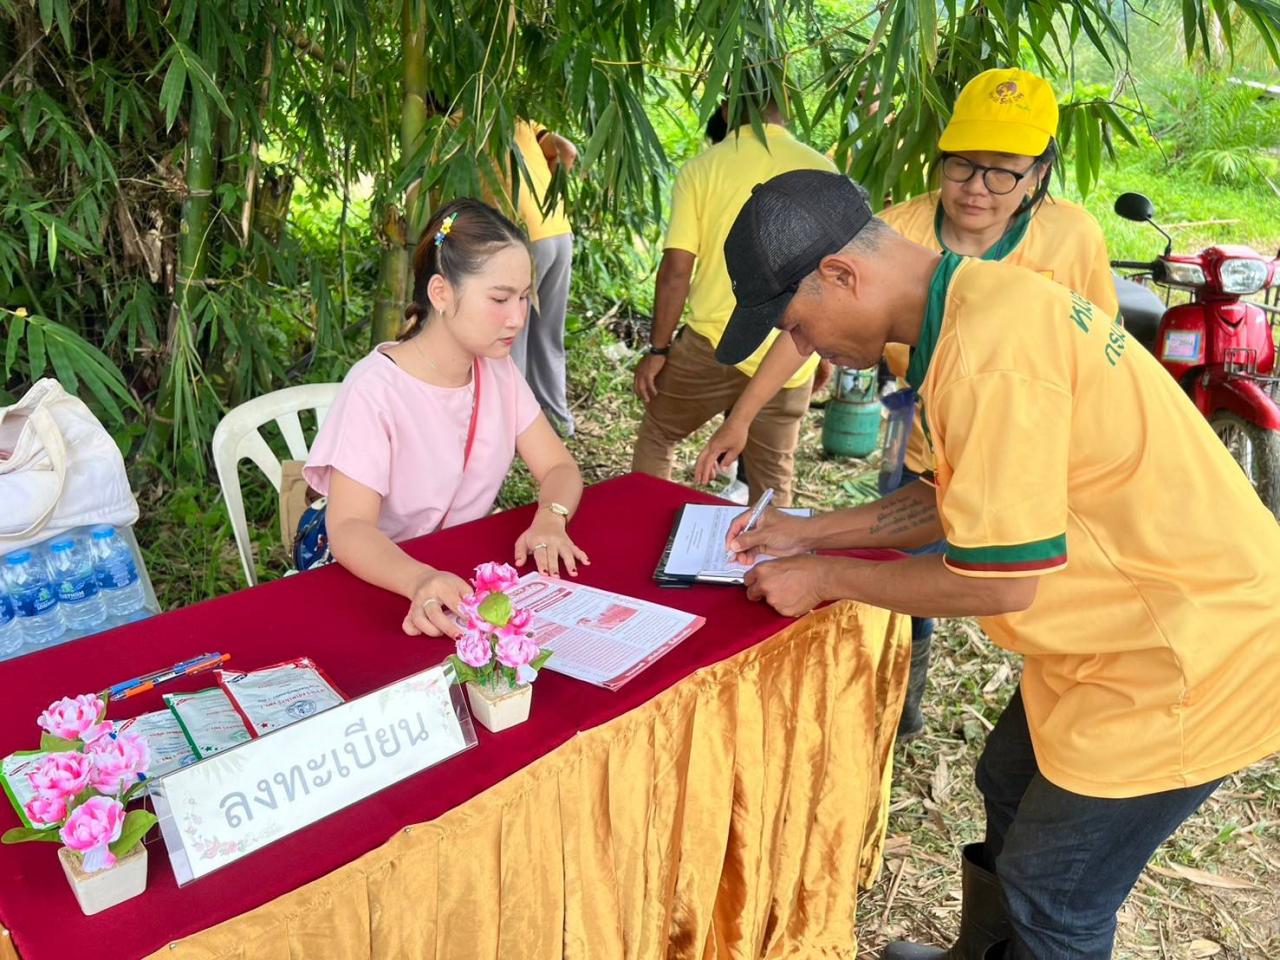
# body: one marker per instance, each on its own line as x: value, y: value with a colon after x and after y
x: 1135, y: 207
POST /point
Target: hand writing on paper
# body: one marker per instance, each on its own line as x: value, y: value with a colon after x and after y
x: 791, y: 586
x: 436, y: 598
x: 777, y: 534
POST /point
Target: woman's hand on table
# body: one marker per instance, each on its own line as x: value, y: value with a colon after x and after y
x: 792, y: 586
x: 434, y: 601
x: 778, y: 534
x: 548, y: 543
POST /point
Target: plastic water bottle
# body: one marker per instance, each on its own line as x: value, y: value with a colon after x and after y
x: 34, y: 598
x: 73, y: 576
x: 117, y: 572
x: 10, y: 635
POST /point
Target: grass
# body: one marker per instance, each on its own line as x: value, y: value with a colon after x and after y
x: 1174, y: 913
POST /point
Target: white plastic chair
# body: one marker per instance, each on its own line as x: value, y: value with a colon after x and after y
x: 238, y: 438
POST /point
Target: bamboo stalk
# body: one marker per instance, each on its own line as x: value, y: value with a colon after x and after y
x: 400, y: 233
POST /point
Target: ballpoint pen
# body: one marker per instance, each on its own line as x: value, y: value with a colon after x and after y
x: 756, y: 513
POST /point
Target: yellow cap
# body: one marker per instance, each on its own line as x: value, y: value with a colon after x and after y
x: 1008, y: 111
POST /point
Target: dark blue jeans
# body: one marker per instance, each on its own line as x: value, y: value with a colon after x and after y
x: 1066, y: 862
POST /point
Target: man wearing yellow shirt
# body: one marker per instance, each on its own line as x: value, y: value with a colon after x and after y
x: 539, y: 350
x: 1091, y: 521
x: 993, y: 169
x: 679, y: 380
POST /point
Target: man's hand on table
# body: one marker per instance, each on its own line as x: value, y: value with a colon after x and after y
x: 436, y: 597
x: 792, y: 586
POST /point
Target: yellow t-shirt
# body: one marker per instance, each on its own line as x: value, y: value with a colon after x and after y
x: 529, y: 204
x: 710, y: 190
x: 1061, y: 445
x: 1061, y: 241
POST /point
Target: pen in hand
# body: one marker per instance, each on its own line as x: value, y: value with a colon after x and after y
x: 756, y: 513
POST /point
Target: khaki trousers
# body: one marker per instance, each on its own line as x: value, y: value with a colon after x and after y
x: 693, y: 388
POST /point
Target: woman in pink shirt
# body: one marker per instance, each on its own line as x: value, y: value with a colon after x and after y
x: 424, y: 430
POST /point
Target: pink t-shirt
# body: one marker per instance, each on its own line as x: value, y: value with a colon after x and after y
x: 404, y: 440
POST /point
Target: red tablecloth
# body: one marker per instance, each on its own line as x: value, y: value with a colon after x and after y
x: 353, y: 631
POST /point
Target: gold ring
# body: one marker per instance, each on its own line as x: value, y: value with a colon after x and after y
x: 426, y: 604
x: 539, y: 546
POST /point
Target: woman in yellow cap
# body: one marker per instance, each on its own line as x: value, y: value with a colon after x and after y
x: 995, y: 160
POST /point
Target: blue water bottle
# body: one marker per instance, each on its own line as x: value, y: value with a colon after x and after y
x: 71, y: 570
x: 10, y: 634
x: 117, y: 572
x: 34, y: 598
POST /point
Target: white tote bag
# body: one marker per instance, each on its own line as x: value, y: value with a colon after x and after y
x: 59, y: 469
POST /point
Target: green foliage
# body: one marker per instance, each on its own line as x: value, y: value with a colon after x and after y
x: 169, y: 173
x: 1227, y: 132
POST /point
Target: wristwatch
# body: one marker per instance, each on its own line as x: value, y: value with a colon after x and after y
x: 659, y: 351
x: 559, y: 509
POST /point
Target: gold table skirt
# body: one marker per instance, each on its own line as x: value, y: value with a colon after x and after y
x: 733, y: 816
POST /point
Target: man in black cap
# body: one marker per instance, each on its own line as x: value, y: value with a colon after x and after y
x: 1053, y: 437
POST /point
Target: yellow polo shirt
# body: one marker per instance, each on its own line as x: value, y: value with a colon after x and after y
x: 709, y: 192
x: 529, y: 205
x: 1060, y: 240
x: 1152, y: 651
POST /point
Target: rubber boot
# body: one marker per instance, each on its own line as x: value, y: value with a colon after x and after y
x: 983, y: 923
x: 911, y: 723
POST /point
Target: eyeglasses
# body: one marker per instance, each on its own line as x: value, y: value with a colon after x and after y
x: 997, y: 180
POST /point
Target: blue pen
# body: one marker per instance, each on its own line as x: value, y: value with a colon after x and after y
x: 116, y: 689
x: 756, y: 513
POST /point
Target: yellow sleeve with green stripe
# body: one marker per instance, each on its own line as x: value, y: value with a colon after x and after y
x: 1001, y: 443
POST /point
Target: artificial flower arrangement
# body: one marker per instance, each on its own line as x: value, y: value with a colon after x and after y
x: 89, y: 774
x: 497, y: 656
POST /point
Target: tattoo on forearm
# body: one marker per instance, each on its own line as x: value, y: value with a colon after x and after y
x: 902, y: 516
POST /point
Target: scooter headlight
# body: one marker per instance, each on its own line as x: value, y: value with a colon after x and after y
x: 1242, y: 276
x: 1183, y: 274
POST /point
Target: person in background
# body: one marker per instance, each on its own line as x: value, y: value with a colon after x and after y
x: 679, y: 380
x: 995, y: 159
x: 424, y: 430
x: 1092, y: 520
x: 539, y: 350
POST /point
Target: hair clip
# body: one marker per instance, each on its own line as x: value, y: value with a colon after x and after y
x: 445, y: 227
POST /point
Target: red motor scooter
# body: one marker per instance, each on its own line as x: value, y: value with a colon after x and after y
x: 1219, y: 347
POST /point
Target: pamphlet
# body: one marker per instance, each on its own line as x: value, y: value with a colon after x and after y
x: 168, y: 746
x: 208, y: 720
x: 13, y: 779
x: 599, y: 637
x: 280, y: 694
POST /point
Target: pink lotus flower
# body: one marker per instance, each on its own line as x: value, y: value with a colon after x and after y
x: 521, y: 621
x: 46, y: 811
x: 518, y: 650
x: 494, y: 578
x: 90, y: 829
x: 470, y: 609
x: 76, y: 718
x: 119, y: 761
x: 60, y: 776
x: 474, y: 648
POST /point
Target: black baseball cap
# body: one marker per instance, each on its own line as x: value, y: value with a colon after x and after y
x: 783, y: 231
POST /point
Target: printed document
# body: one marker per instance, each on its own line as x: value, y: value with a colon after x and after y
x: 599, y: 637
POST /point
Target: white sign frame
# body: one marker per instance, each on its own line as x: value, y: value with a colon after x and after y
x: 236, y: 802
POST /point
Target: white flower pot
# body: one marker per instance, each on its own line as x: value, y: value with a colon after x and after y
x: 96, y: 892
x: 501, y: 707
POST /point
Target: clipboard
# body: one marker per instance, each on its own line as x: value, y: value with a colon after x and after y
x: 665, y: 579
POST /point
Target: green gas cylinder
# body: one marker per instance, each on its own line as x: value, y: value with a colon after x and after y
x: 851, y: 427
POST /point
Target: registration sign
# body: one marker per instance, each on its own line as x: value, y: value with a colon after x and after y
x: 233, y: 803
